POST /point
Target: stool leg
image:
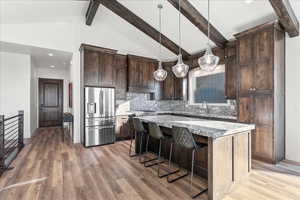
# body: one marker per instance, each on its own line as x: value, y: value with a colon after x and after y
x: 192, y: 171
x: 141, y: 145
x: 176, y: 171
x: 192, y: 174
x: 168, y: 172
x: 131, y: 145
x: 157, y: 158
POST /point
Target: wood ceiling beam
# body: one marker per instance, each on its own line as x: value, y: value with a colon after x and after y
x: 91, y: 12
x: 192, y: 14
x: 286, y: 16
x: 140, y: 24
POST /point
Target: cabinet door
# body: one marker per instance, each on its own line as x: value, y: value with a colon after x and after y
x: 121, y: 76
x: 246, y: 64
x: 264, y: 109
x: 246, y: 75
x: 133, y: 74
x: 168, y: 85
x: 144, y: 75
x: 264, y: 53
x: 246, y: 109
x: 231, y: 78
x: 106, y: 70
x: 245, y: 50
x: 262, y: 139
x: 264, y: 77
x: 150, y: 79
x: 178, y: 88
x: 264, y: 45
x: 91, y: 68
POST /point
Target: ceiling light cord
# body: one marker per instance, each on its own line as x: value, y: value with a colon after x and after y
x: 179, y: 18
x: 208, y: 17
x: 160, y: 34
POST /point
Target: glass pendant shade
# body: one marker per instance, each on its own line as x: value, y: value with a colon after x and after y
x: 209, y: 61
x: 180, y: 69
x: 160, y: 74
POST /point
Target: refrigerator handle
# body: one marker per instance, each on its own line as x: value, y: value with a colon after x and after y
x: 101, y: 102
x: 91, y: 108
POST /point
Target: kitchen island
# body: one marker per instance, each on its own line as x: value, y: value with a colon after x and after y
x: 226, y: 160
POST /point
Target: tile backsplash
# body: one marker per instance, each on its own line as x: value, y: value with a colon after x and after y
x: 142, y: 102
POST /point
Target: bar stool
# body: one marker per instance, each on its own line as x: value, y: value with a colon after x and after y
x: 138, y: 129
x: 156, y: 133
x: 184, y: 138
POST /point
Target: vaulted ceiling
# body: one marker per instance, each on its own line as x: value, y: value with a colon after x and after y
x: 228, y: 16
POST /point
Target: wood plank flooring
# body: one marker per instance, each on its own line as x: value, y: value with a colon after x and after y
x: 106, y: 172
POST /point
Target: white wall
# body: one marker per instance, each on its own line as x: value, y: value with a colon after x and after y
x: 15, y: 86
x: 293, y: 99
x: 33, y: 98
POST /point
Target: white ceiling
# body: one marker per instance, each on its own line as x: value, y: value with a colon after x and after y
x: 40, y: 56
x: 228, y: 16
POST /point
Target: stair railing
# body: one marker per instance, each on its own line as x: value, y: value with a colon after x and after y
x: 11, y: 139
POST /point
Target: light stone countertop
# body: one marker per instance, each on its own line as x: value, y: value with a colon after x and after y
x: 190, y: 114
x: 203, y: 127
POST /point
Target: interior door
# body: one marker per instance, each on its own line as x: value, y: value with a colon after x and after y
x: 50, y: 102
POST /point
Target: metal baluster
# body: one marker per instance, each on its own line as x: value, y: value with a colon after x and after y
x: 20, y: 132
x: 2, y: 160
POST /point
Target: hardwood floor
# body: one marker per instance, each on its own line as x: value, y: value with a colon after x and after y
x: 64, y: 171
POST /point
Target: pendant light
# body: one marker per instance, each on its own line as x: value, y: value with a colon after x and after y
x: 180, y: 69
x: 160, y: 74
x: 209, y: 61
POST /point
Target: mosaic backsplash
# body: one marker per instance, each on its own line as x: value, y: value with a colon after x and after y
x: 142, y: 102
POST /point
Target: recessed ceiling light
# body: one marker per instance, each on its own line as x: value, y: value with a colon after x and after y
x: 249, y: 1
x: 52, y: 66
x: 50, y: 54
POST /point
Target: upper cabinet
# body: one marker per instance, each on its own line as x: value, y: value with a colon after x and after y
x: 120, y: 65
x: 140, y: 74
x: 256, y: 61
x: 172, y: 87
x: 98, y: 66
x: 230, y: 71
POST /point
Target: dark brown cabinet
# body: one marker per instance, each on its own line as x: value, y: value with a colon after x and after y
x: 120, y: 66
x: 91, y: 68
x: 172, y: 87
x: 230, y: 71
x: 106, y: 70
x: 140, y: 74
x: 261, y: 72
x: 98, y: 66
x: 124, y: 130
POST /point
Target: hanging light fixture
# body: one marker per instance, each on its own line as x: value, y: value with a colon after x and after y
x: 180, y: 69
x: 160, y: 74
x: 209, y: 61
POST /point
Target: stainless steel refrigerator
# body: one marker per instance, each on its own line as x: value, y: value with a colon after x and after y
x: 99, y: 116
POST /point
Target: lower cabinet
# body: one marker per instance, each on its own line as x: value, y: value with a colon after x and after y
x: 124, y: 130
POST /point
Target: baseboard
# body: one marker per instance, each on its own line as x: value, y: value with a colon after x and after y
x: 292, y: 162
x: 27, y: 141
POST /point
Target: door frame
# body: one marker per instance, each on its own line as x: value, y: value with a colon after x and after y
x: 38, y: 99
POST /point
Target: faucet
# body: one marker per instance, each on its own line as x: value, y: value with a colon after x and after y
x: 205, y: 106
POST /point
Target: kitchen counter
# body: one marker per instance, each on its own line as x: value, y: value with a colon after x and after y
x: 198, y: 126
x: 181, y: 113
x: 226, y: 158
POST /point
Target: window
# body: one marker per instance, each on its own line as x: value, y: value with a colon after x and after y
x: 207, y: 87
